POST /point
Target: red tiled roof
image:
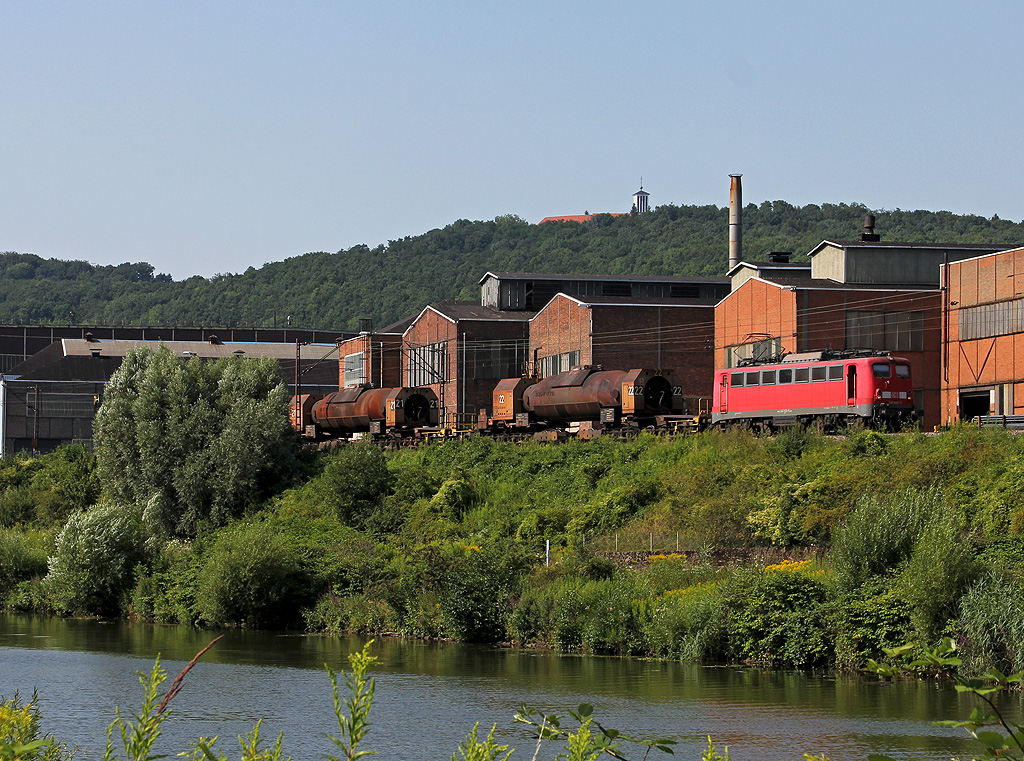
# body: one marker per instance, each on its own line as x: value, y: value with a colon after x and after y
x: 578, y: 217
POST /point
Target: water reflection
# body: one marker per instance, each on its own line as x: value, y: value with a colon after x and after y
x: 430, y: 694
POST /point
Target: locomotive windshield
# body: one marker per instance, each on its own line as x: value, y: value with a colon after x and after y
x: 902, y: 371
x: 881, y: 370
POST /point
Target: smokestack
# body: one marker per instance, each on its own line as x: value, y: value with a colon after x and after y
x: 735, y: 221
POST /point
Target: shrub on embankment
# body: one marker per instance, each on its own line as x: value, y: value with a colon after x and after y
x: 915, y: 536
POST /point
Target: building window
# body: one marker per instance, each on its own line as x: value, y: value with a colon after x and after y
x: 498, y: 358
x: 428, y: 364
x: 354, y: 369
x: 558, y: 363
x: 760, y: 351
x: 990, y: 320
x: 885, y: 331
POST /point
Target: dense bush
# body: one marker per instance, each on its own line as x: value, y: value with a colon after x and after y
x: 355, y: 482
x: 95, y: 559
x: 250, y: 578
x: 19, y: 561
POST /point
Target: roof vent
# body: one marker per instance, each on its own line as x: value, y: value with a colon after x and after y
x: 869, y: 233
x: 90, y: 338
x: 779, y: 257
x: 214, y: 341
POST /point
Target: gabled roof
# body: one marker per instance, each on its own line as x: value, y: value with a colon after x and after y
x: 765, y: 266
x: 916, y: 246
x: 95, y: 360
x: 629, y: 301
x: 1014, y: 250
x: 401, y: 326
x: 554, y: 277
x: 813, y: 284
x: 454, y: 311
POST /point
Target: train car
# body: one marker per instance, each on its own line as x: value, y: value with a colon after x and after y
x: 364, y: 410
x: 826, y: 388
x: 586, y: 398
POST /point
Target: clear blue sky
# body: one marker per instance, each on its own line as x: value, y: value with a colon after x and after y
x: 211, y: 137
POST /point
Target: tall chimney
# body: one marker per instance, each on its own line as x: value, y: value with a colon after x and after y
x: 735, y: 221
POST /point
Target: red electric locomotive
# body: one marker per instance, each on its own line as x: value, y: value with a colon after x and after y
x: 827, y: 388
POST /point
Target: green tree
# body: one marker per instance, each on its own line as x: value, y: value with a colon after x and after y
x: 197, y: 442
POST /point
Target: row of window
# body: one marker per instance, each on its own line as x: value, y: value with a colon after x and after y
x: 558, y: 363
x: 885, y: 331
x: 789, y: 375
x: 879, y: 331
x: 818, y: 373
x: 478, y: 360
x: 991, y: 320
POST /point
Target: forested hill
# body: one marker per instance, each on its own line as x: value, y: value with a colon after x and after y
x: 334, y: 290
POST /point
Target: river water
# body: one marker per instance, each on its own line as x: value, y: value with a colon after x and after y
x: 429, y: 695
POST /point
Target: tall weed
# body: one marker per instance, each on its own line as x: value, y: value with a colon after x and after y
x: 881, y: 533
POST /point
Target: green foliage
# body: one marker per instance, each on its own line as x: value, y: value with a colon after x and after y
x: 780, y: 617
x: 165, y: 589
x: 881, y: 533
x: 19, y: 561
x: 353, y: 714
x: 198, y: 442
x: 355, y: 482
x: 136, y: 739
x: 937, y: 573
x: 473, y: 749
x: 252, y: 748
x: 94, y: 560
x: 45, y: 490
x: 388, y: 282
x: 21, y: 737
x: 250, y: 578
x: 867, y: 621
x: 991, y: 623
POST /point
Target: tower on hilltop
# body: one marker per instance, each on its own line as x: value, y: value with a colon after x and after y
x: 640, y: 199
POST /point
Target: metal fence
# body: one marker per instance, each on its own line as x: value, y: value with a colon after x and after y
x: 643, y: 542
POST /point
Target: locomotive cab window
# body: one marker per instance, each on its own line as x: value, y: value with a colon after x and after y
x: 768, y: 378
x: 817, y: 373
x: 736, y: 379
x: 802, y: 374
x: 752, y: 379
x: 785, y: 376
x: 902, y: 371
x: 881, y: 370
x: 835, y: 372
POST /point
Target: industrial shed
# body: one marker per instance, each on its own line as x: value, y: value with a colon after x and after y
x: 983, y: 336
x: 864, y: 294
x: 50, y: 398
x: 626, y: 333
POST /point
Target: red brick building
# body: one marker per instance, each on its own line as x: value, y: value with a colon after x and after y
x: 461, y: 349
x: 983, y: 336
x: 863, y: 294
x: 371, y: 358
x: 625, y: 334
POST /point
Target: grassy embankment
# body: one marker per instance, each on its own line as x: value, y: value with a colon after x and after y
x: 915, y: 537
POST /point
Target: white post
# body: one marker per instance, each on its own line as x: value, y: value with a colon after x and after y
x: 547, y: 552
